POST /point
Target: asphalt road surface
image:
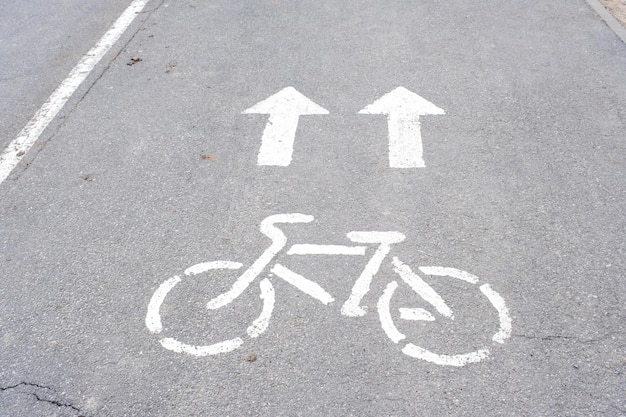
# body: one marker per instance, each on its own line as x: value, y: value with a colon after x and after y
x: 315, y: 209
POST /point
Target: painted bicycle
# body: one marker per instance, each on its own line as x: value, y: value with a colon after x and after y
x: 351, y: 307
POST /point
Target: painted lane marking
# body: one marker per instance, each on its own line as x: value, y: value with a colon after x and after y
x: 447, y: 360
x: 410, y: 349
x: 312, y: 249
x: 352, y: 307
x: 16, y: 150
x: 305, y: 285
x: 503, y: 313
x: 267, y: 295
x: 384, y: 314
x: 442, y: 271
x: 206, y: 266
x: 285, y: 109
x: 214, y: 349
x: 415, y: 314
x: 153, y: 319
x: 279, y: 240
x: 422, y: 288
x: 270, y: 227
x: 403, y: 109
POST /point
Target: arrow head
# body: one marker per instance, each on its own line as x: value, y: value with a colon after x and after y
x: 287, y: 100
x: 402, y: 101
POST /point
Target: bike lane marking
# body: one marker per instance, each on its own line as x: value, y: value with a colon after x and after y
x: 403, y: 109
x: 285, y: 109
x: 351, y: 307
x: 15, y: 151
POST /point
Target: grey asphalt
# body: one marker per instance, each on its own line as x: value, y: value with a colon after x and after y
x: 153, y: 169
x: 40, y: 42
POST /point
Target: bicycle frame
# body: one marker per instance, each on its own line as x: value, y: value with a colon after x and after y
x: 351, y: 307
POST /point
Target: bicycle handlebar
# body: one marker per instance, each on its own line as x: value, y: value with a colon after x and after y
x: 269, y: 229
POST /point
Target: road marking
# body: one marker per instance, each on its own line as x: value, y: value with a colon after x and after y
x: 270, y: 227
x: 222, y: 347
x: 441, y: 271
x: 446, y: 360
x: 415, y: 314
x: 305, y: 285
x: 279, y: 240
x: 503, y: 313
x: 313, y: 249
x: 267, y: 295
x: 403, y: 109
x: 16, y: 150
x: 285, y: 109
x: 153, y: 319
x: 422, y: 288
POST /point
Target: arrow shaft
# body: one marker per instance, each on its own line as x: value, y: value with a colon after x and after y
x: 277, y: 141
x: 405, y: 141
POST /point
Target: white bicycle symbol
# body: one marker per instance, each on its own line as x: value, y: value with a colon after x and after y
x: 351, y: 307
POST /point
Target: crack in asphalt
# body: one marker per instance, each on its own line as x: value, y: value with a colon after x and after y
x: 561, y: 337
x: 57, y: 403
x: 41, y: 398
x: 28, y: 384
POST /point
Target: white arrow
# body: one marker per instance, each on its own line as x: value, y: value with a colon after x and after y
x: 284, y: 108
x: 403, y: 109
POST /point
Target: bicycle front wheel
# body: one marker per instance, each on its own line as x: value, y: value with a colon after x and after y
x: 431, y: 298
x: 154, y: 320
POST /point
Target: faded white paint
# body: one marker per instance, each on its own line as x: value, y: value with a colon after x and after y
x: 305, y: 285
x: 285, y: 109
x: 153, y: 318
x: 206, y: 266
x: 352, y: 307
x: 214, y: 349
x: 415, y: 314
x: 311, y: 249
x: 384, y: 313
x: 279, y: 240
x: 442, y: 271
x: 16, y: 150
x: 447, y: 360
x: 503, y: 313
x: 403, y: 109
x: 261, y: 323
x: 422, y: 288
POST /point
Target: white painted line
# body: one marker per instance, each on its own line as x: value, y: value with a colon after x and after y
x: 16, y: 150
x: 415, y: 314
x: 422, y: 288
x: 312, y: 249
x: 206, y: 266
x: 352, y: 307
x: 153, y: 319
x: 503, y: 313
x: 279, y: 240
x: 403, y: 109
x: 267, y: 295
x: 305, y: 285
x: 222, y: 347
x: 450, y: 360
x: 384, y: 313
x: 285, y: 109
x: 386, y: 238
x: 442, y: 271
